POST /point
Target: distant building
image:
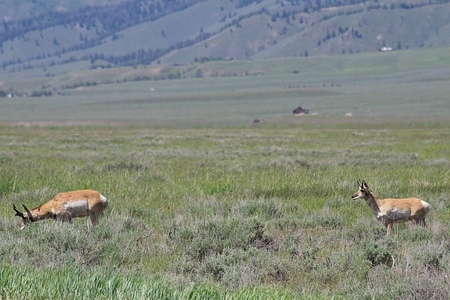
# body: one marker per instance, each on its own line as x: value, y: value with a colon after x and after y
x: 386, y: 49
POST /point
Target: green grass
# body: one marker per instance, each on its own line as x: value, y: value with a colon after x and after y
x: 71, y: 283
x: 226, y: 213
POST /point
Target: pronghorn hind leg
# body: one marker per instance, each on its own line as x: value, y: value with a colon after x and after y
x: 94, y: 217
x: 420, y: 222
x: 424, y: 224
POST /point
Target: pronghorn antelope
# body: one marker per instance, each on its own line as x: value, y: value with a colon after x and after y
x: 66, y: 206
x: 390, y: 211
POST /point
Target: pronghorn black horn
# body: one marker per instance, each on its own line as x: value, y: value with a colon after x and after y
x: 30, y: 216
x: 18, y: 213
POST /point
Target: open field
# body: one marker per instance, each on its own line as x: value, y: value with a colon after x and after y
x: 227, y: 213
x: 397, y: 87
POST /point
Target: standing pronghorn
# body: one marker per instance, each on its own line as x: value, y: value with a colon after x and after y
x: 66, y: 206
x: 390, y: 211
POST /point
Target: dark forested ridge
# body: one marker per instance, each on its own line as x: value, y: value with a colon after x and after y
x: 181, y: 31
x: 104, y: 19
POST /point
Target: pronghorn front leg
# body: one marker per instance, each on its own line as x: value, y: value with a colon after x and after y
x: 387, y: 223
x: 389, y: 227
x: 65, y: 217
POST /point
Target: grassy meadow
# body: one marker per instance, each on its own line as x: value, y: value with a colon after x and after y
x: 205, y: 205
x: 231, y: 213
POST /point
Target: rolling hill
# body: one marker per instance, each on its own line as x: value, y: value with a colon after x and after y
x: 38, y: 34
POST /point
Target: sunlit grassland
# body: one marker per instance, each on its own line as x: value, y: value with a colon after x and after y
x: 229, y: 213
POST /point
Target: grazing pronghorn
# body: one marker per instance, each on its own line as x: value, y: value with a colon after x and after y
x: 390, y: 211
x: 66, y: 206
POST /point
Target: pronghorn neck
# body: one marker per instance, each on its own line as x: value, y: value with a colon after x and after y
x: 373, y: 202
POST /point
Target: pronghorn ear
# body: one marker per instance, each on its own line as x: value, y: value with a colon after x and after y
x: 358, y: 183
x: 18, y: 213
x: 364, y: 184
x: 30, y: 216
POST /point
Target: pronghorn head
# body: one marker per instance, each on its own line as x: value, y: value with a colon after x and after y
x: 363, y: 190
x: 27, y: 217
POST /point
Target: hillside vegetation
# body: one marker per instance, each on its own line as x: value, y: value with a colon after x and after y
x: 116, y: 33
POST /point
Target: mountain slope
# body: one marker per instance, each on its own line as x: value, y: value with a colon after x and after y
x: 328, y: 32
x: 117, y: 33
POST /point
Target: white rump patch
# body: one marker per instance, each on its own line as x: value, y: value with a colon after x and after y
x: 77, y: 208
x: 103, y: 199
x: 426, y: 206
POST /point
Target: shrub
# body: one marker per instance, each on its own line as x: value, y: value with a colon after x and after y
x: 378, y: 254
x: 211, y: 237
x: 239, y: 268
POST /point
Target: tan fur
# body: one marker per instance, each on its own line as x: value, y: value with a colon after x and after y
x: 390, y: 211
x: 69, y: 205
